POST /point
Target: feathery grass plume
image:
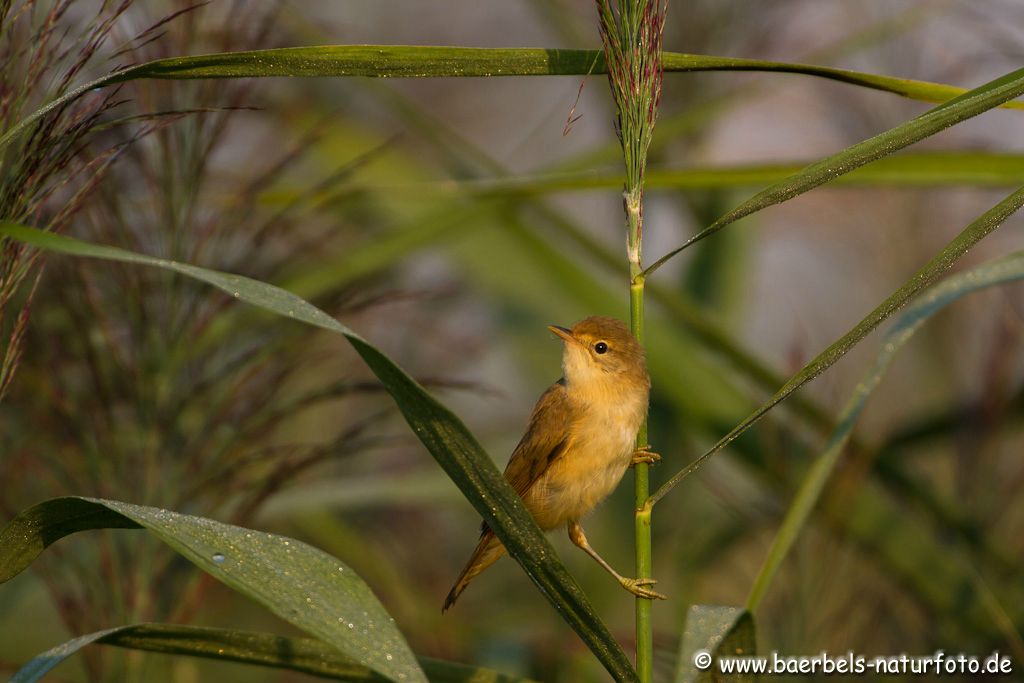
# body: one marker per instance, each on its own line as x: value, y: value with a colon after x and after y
x: 46, y: 174
x: 631, y: 32
x: 146, y: 388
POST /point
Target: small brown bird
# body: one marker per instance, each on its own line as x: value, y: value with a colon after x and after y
x: 579, y: 443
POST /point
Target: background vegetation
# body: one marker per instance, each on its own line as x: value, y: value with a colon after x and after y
x: 449, y: 221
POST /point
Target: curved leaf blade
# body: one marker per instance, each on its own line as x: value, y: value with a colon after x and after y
x: 906, y: 87
x: 1001, y: 271
x: 305, y: 655
x: 34, y: 530
x: 926, y: 275
x: 41, y: 664
x: 435, y: 61
x: 299, y: 583
x: 447, y: 439
x: 961, y: 108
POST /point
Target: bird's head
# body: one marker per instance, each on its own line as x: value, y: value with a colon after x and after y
x: 600, y: 349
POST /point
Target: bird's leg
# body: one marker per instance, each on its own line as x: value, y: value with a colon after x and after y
x: 637, y: 587
x: 644, y: 454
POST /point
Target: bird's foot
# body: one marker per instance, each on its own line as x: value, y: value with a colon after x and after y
x: 646, y: 455
x: 638, y: 587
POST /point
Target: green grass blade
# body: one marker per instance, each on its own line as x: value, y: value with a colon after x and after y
x: 716, y: 630
x: 941, y: 262
x: 926, y: 170
x: 954, y: 111
x: 305, y: 655
x: 445, y: 436
x: 915, y: 90
x: 430, y: 61
x: 929, y: 169
x: 299, y: 583
x: 998, y: 272
x: 437, y: 61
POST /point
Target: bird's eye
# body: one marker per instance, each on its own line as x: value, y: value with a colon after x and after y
x: 600, y: 347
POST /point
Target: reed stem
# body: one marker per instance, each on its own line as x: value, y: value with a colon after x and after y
x: 631, y: 32
x: 642, y: 515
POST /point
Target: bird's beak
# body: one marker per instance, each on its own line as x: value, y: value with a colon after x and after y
x: 564, y: 333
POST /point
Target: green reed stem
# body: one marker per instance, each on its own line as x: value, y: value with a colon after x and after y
x: 631, y: 33
x: 642, y: 515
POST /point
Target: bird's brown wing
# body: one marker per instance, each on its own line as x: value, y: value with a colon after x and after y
x: 546, y: 439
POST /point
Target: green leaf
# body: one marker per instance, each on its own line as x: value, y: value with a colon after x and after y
x: 930, y: 169
x: 954, y: 111
x: 717, y: 631
x: 927, y: 169
x: 429, y: 61
x: 440, y: 430
x: 297, y: 582
x: 928, y: 273
x: 305, y: 655
x: 997, y: 272
x: 916, y: 90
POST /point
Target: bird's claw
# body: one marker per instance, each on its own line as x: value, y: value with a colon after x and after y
x: 638, y: 587
x: 646, y: 455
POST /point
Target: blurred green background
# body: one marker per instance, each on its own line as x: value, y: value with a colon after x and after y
x: 383, y: 202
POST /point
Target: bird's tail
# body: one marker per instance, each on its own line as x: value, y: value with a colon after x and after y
x: 487, y: 552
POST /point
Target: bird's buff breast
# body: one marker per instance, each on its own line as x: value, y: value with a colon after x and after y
x: 598, y: 453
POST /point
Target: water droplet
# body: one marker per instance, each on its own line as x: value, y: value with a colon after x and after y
x: 388, y: 656
x: 218, y: 558
x: 350, y: 625
x: 236, y: 294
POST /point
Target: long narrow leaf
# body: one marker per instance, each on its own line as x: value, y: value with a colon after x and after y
x: 297, y: 582
x: 305, y: 655
x: 998, y: 272
x: 968, y: 105
x: 445, y: 436
x: 932, y: 169
x: 970, y: 236
x: 409, y: 61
